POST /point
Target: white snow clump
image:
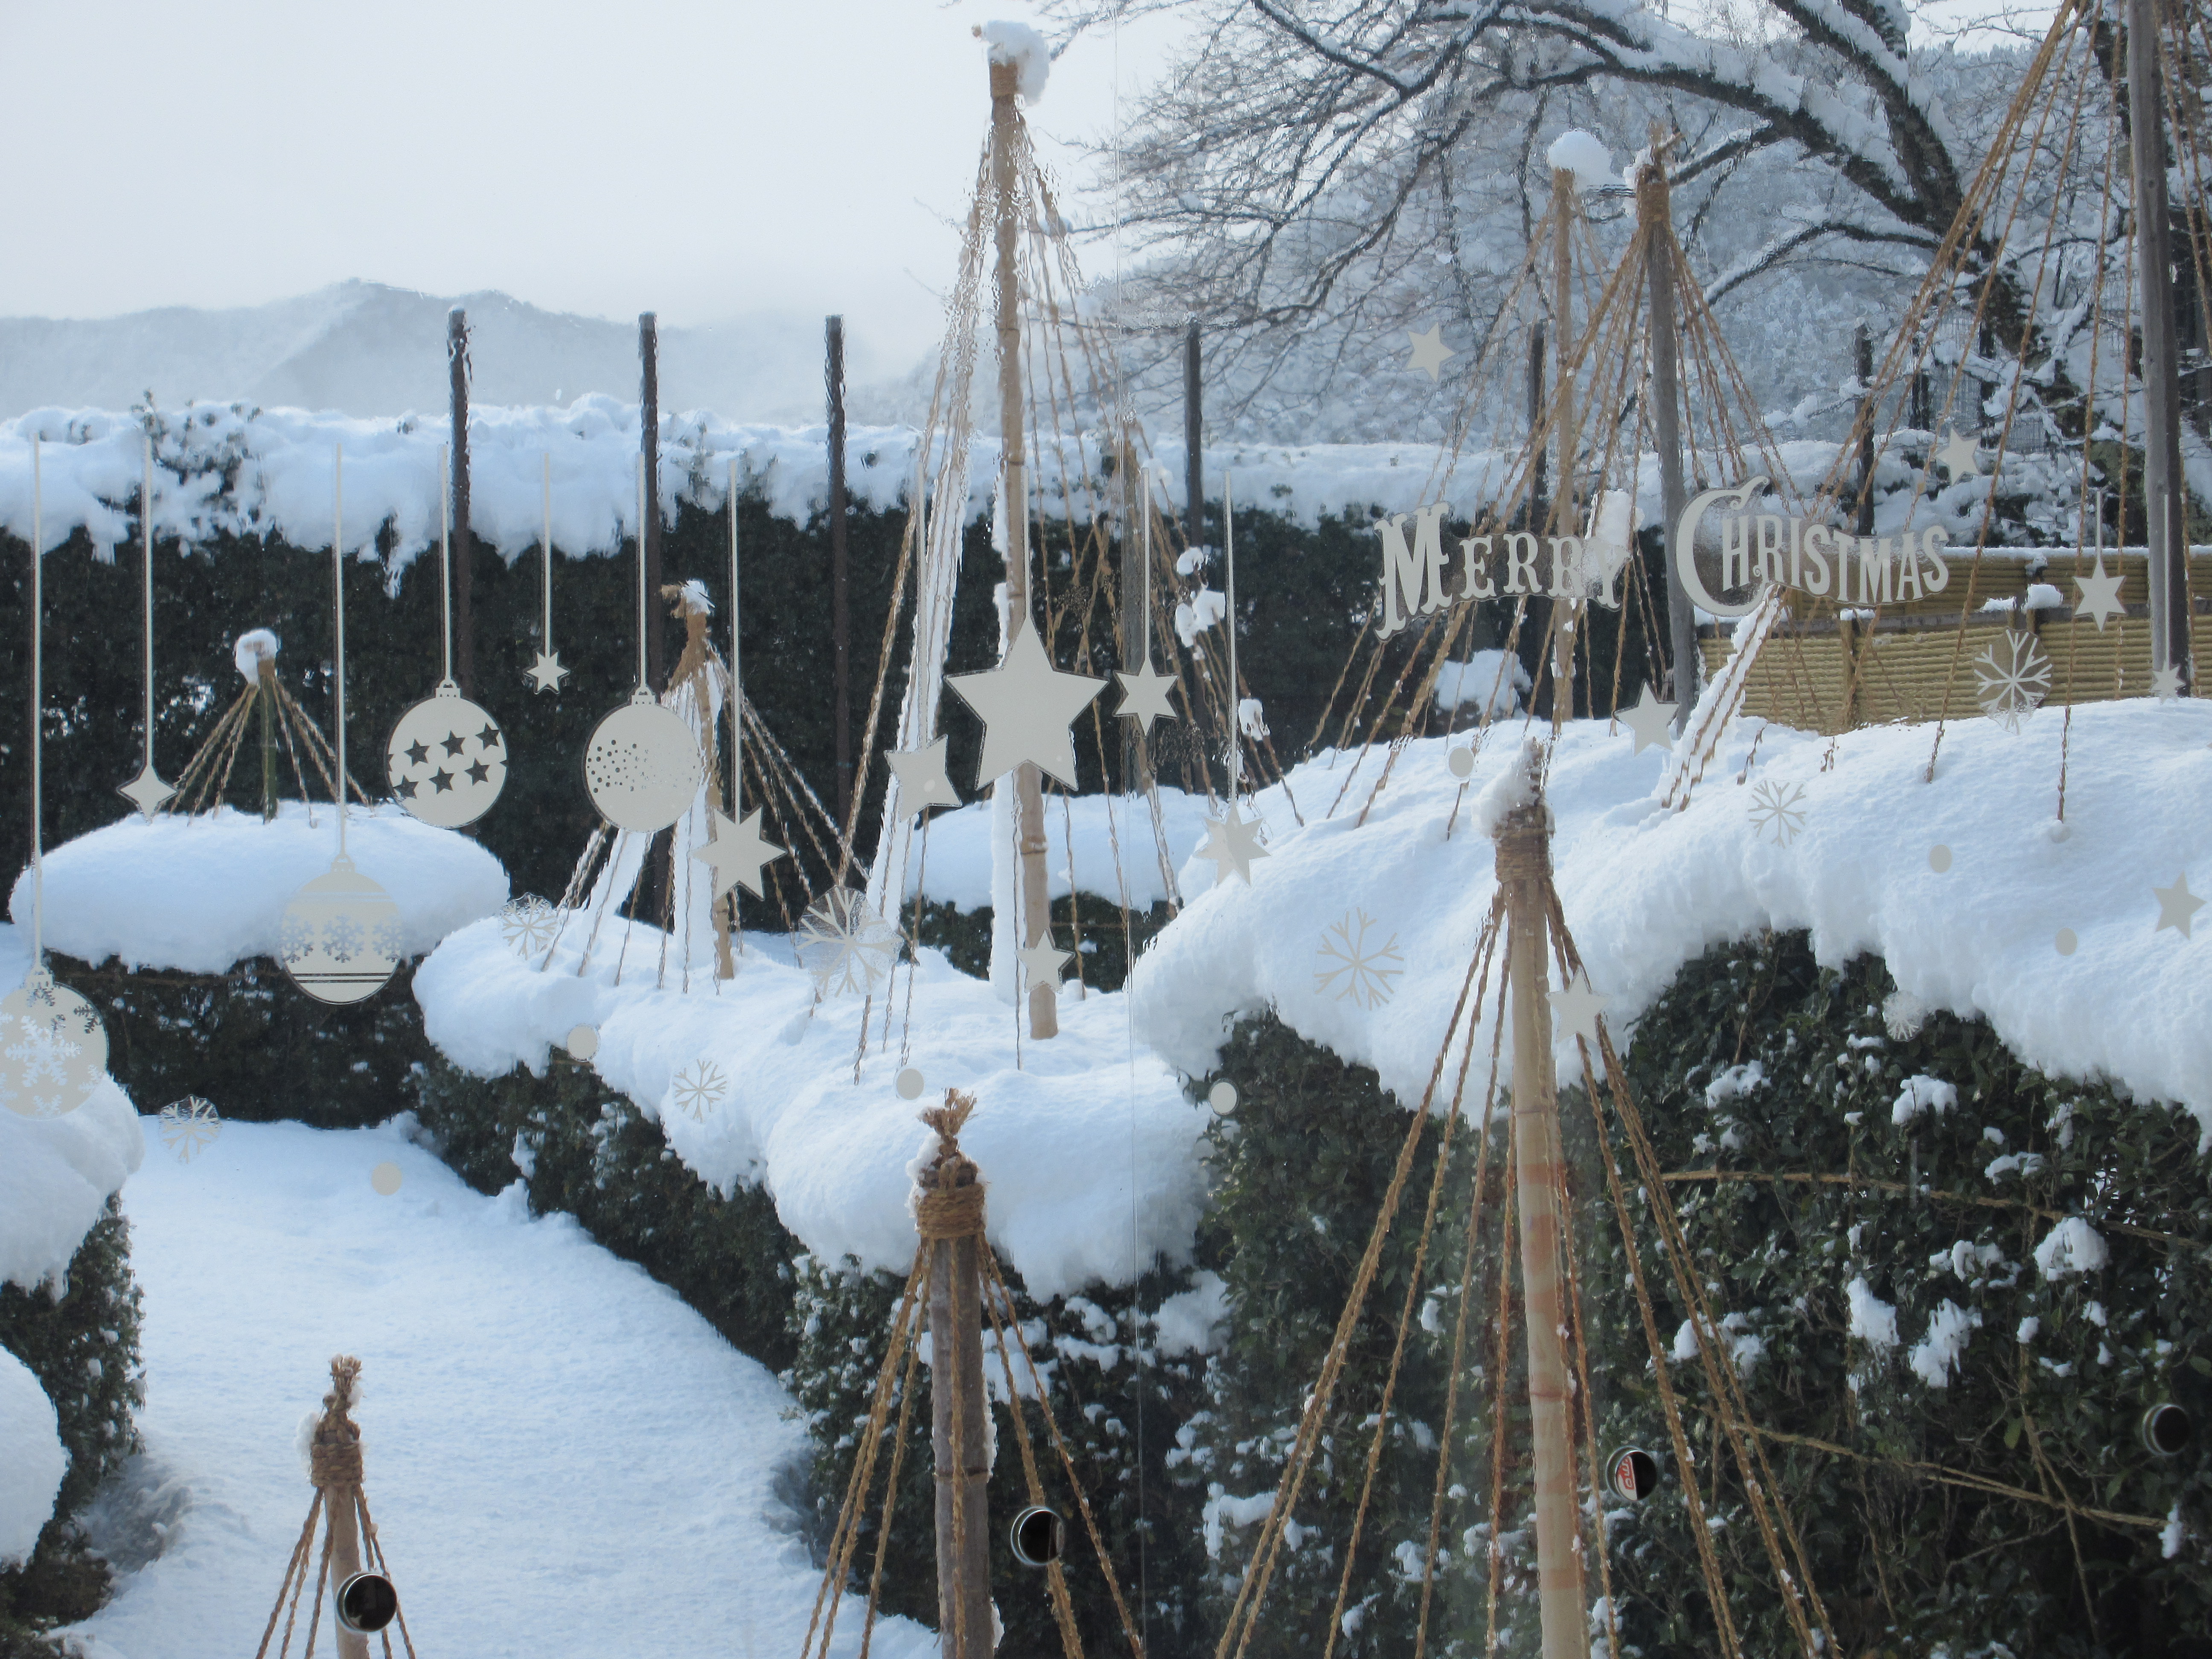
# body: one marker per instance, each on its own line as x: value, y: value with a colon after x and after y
x: 1190, y: 1321
x: 1494, y: 678
x: 2071, y: 1247
x: 1873, y: 1321
x: 1025, y: 49
x: 32, y: 1472
x: 1583, y: 154
x: 1923, y: 1094
x: 1198, y: 613
x: 1936, y: 1356
x: 255, y: 647
x: 1513, y: 788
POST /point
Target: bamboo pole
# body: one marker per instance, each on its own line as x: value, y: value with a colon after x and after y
x: 1523, y: 870
x: 2164, y: 518
x: 950, y: 1215
x: 1564, y: 610
x: 1035, y: 909
x: 334, y: 1458
x: 1653, y: 213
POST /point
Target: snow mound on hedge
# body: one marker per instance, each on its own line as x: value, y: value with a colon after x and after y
x: 1647, y: 888
x: 57, y: 1174
x: 1089, y: 1145
x: 195, y: 895
x: 31, y: 1474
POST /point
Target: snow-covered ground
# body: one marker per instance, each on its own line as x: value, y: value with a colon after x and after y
x: 562, y: 1458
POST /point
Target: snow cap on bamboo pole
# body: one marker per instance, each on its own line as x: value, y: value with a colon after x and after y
x: 1020, y: 44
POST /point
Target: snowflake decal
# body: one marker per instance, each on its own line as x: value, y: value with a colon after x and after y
x: 1354, y: 968
x: 1778, y: 808
x: 189, y: 1126
x: 384, y: 940
x: 342, y: 938
x: 698, y: 1087
x: 1903, y: 1015
x: 296, y: 939
x: 2012, y: 676
x: 528, y: 924
x: 844, y: 944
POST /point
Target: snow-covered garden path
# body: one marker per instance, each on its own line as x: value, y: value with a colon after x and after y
x: 563, y: 1459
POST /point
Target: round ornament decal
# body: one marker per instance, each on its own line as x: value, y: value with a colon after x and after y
x: 53, y: 1049
x: 643, y: 768
x: 447, y: 759
x: 339, y: 940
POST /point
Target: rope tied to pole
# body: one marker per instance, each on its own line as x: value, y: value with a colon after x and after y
x: 334, y: 1455
x: 948, y: 1199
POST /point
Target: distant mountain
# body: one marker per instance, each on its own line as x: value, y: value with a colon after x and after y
x: 368, y: 350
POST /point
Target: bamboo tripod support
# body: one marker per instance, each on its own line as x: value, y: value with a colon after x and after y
x: 1035, y: 908
x: 1524, y: 862
x: 350, y: 1545
x: 948, y: 1213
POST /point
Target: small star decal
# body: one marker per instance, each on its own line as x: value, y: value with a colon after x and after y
x: 1043, y: 961
x: 1575, y: 1007
x: 146, y: 792
x: 488, y: 738
x: 1232, y: 842
x: 1145, y: 696
x: 1651, y: 721
x: 1960, y: 456
x: 737, y: 852
x: 2100, y: 595
x: 2165, y: 684
x: 548, y: 673
x: 1430, y: 352
x: 418, y: 753
x: 444, y: 782
x: 921, y: 780
x: 455, y: 743
x: 479, y: 773
x: 2176, y: 905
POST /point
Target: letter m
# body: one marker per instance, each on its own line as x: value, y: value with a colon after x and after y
x: 1413, y: 577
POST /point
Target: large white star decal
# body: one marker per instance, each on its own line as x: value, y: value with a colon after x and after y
x: 1026, y: 706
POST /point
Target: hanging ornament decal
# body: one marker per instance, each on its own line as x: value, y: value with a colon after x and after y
x: 2011, y: 678
x: 447, y: 758
x: 1650, y: 720
x: 1026, y: 706
x: 642, y: 766
x: 2100, y: 596
x: 340, y: 938
x: 1145, y: 693
x: 1960, y: 456
x: 1429, y: 352
x: 547, y: 674
x: 921, y: 777
x: 190, y: 1126
x: 53, y: 1049
x: 1233, y: 841
x: 146, y: 792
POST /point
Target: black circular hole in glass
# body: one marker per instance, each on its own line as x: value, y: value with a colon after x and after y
x: 367, y: 1603
x: 1633, y: 1474
x: 1037, y: 1537
x: 2166, y: 1430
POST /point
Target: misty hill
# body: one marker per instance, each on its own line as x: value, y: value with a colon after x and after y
x: 366, y: 348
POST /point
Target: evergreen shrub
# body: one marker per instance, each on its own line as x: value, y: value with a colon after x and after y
x: 79, y: 1337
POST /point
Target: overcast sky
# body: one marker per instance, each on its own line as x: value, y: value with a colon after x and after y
x: 702, y: 158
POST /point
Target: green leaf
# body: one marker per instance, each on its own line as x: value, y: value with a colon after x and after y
x: 2012, y: 1433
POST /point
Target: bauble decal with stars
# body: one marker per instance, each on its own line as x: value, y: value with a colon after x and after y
x: 447, y: 759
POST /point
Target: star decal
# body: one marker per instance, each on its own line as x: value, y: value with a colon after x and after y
x: 1232, y: 842
x: 455, y: 743
x: 1960, y: 456
x: 737, y: 852
x: 2165, y: 684
x: 1430, y: 352
x: 487, y: 738
x: 1145, y: 696
x: 1026, y: 706
x: 1575, y: 1008
x: 1652, y: 721
x: 146, y: 792
x: 921, y: 780
x: 2100, y: 595
x: 1043, y: 961
x: 548, y: 673
x: 418, y: 753
x: 2176, y: 905
x: 479, y: 773
x: 443, y: 781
